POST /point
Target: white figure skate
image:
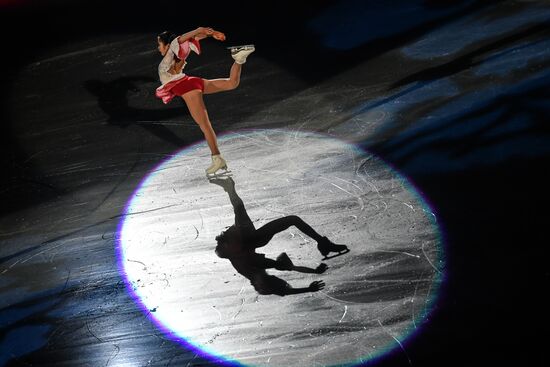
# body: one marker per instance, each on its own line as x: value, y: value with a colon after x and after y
x: 240, y: 53
x: 217, y: 163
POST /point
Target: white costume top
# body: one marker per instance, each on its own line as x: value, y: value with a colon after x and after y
x: 181, y: 50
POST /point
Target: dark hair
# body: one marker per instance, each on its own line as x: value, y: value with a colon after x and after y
x: 220, y: 248
x: 221, y: 251
x: 167, y: 37
x: 223, y: 239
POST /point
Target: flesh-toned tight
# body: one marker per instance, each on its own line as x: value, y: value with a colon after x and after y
x: 195, y: 103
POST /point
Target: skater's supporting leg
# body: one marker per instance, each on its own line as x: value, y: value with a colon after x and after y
x: 266, y: 232
x: 195, y: 104
x: 224, y: 84
x: 242, y: 219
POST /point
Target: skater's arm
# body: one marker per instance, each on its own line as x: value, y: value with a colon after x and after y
x: 313, y: 287
x: 304, y: 269
x: 201, y: 33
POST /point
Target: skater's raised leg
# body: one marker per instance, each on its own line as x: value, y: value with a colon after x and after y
x: 265, y: 233
x: 324, y: 245
x: 224, y: 84
x: 239, y: 54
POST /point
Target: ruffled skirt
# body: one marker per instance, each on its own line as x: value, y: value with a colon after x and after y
x: 179, y: 87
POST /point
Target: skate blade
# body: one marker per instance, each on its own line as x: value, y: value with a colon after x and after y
x: 225, y: 173
x: 343, y: 252
x: 241, y: 47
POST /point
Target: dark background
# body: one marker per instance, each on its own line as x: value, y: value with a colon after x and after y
x: 495, y: 218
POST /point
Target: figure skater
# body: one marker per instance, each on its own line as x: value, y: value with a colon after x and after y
x: 175, y: 50
x: 240, y: 241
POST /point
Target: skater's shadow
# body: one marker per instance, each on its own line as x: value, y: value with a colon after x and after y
x: 239, y: 242
x: 112, y: 98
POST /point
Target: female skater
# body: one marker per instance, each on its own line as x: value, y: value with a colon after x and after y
x: 175, y: 50
x: 239, y: 242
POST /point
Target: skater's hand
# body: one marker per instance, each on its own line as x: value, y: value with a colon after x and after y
x: 321, y: 268
x: 316, y: 285
x: 218, y: 36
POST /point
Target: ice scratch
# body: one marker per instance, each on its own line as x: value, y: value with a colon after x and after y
x: 398, y: 342
x: 349, y: 193
x: 240, y: 309
x: 197, y: 236
x: 344, y: 315
x: 219, y: 313
x: 401, y: 252
x: 429, y: 261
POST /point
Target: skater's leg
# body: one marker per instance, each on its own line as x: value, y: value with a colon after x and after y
x: 265, y: 233
x: 242, y: 219
x: 195, y: 103
x: 224, y: 84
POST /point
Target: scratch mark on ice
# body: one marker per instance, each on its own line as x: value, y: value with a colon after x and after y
x: 344, y: 315
x: 219, y: 313
x: 398, y: 342
x: 349, y: 193
x: 401, y: 252
x: 429, y: 261
x: 196, y: 230
x: 240, y: 309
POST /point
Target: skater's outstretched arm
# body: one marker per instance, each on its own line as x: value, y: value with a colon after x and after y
x: 201, y: 33
x: 318, y: 270
x: 313, y: 287
x: 283, y: 262
x: 269, y: 284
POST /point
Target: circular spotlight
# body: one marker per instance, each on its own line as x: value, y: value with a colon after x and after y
x: 376, y: 296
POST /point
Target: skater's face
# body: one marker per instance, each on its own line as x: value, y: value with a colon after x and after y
x: 162, y: 47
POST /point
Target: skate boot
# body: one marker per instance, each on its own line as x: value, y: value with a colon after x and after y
x: 217, y: 163
x: 284, y: 262
x: 325, y: 246
x: 240, y: 53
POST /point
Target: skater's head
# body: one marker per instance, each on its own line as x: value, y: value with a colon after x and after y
x: 163, y: 40
x: 228, y: 243
x: 221, y: 250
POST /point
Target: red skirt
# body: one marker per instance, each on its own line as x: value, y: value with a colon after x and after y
x: 179, y: 87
